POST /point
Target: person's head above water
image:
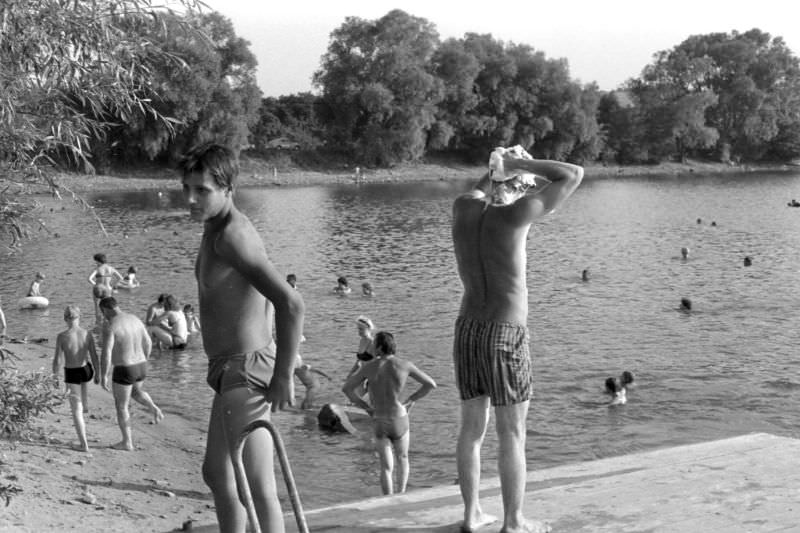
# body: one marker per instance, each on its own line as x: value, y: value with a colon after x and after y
x: 684, y: 252
x: 219, y: 161
x: 342, y: 281
x: 686, y: 304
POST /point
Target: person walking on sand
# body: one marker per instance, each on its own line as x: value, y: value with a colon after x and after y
x: 76, y: 346
x: 240, y: 293
x: 491, y: 345
x: 126, y: 347
x: 103, y: 278
x: 387, y: 375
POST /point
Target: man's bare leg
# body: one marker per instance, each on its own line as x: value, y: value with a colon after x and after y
x: 143, y: 398
x: 122, y: 396
x: 401, y: 450
x: 511, y: 432
x: 474, y: 418
x: 384, y: 449
x: 242, y: 406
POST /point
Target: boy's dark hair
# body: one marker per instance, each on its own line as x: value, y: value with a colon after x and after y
x: 219, y: 161
x: 162, y: 297
x: 342, y: 280
x: 385, y: 341
x: 109, y: 302
x: 188, y: 308
x: 100, y: 258
x: 132, y: 269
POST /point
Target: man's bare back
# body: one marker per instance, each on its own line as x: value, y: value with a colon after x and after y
x: 130, y: 340
x: 77, y: 345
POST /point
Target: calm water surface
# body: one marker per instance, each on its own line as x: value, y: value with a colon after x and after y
x: 725, y: 369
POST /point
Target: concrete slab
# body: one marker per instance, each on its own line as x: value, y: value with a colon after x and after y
x: 743, y: 484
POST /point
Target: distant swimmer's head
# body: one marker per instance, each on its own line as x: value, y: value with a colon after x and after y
x: 585, y: 274
x: 686, y: 304
x: 617, y: 387
x: 291, y: 279
x: 684, y: 252
x: 748, y: 261
x: 366, y: 288
x: 100, y: 258
x: 342, y: 281
x: 384, y: 343
x: 72, y: 312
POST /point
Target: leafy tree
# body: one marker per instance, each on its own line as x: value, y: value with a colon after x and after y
x: 68, y: 72
x: 294, y: 116
x: 378, y: 93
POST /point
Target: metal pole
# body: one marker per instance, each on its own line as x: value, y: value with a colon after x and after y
x: 241, y: 476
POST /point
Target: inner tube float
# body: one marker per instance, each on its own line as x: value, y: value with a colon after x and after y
x: 125, y: 286
x: 33, y: 302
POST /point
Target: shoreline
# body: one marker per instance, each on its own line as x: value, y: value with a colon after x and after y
x: 156, y: 487
x: 257, y: 173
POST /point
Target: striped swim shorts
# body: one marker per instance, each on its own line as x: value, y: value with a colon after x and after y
x: 492, y: 359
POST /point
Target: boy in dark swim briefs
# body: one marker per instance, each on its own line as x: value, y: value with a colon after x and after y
x: 76, y: 345
x: 387, y: 375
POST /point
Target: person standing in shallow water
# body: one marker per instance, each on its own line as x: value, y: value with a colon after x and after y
x: 102, y: 279
x: 491, y: 346
x: 240, y: 293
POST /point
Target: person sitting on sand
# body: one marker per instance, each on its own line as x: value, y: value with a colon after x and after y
x: 387, y: 375
x: 126, y: 348
x: 342, y: 287
x: 171, y: 329
x: 76, y: 345
x: 35, y: 287
x: 103, y: 278
x: 192, y: 322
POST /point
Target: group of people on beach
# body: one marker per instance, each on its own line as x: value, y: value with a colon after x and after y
x: 251, y: 367
x: 251, y: 323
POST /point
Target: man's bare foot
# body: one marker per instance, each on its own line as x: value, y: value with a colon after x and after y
x: 528, y: 527
x: 125, y: 446
x: 78, y: 447
x: 475, y: 523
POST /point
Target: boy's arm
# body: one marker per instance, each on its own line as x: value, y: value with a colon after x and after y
x: 349, y: 389
x: 427, y: 384
x: 244, y: 250
x: 93, y: 277
x: 57, y: 356
x: 147, y: 343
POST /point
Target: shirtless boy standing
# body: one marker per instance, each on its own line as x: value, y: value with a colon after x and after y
x: 387, y: 375
x: 76, y: 345
x: 126, y: 347
x: 240, y: 293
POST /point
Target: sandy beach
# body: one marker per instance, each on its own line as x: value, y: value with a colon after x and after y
x: 156, y: 487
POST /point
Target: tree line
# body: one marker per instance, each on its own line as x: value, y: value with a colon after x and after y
x: 94, y: 84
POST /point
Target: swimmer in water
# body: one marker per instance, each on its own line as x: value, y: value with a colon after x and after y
x: 618, y: 387
x: 342, y: 286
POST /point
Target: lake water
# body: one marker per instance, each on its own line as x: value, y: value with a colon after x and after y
x: 726, y: 369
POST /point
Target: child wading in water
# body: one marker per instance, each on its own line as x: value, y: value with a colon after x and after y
x: 77, y: 347
x: 387, y: 375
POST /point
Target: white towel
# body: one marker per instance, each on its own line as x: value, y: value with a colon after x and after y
x: 496, y: 164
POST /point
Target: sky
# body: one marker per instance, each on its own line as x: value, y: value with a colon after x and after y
x: 603, y: 41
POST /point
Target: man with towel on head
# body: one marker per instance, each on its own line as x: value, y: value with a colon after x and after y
x: 490, y: 350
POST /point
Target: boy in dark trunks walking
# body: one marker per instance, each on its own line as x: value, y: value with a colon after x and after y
x: 76, y: 345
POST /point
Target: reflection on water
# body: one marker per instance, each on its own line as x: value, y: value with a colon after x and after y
x: 724, y: 369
